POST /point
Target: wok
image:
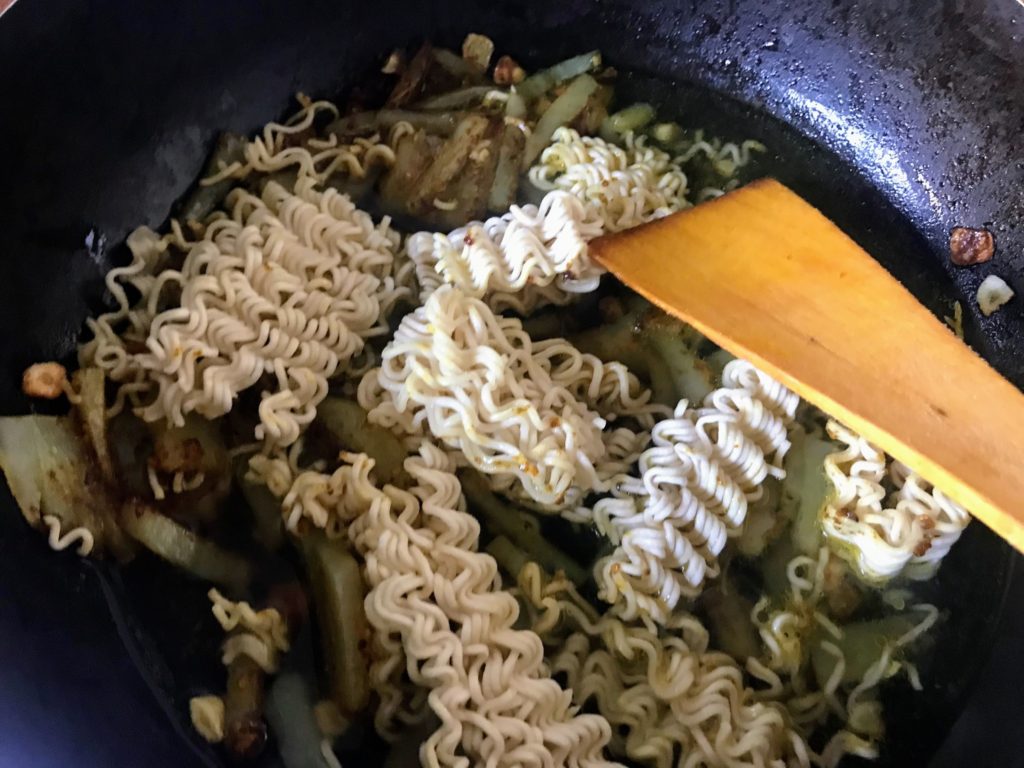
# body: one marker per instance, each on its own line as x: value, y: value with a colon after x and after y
x: 898, y: 119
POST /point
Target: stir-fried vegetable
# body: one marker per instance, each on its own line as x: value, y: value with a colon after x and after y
x: 541, y: 82
x: 51, y: 472
x: 447, y: 164
x: 562, y: 111
x: 460, y: 99
x: 290, y: 713
x: 729, y: 613
x: 676, y: 344
x: 632, y: 118
x: 245, y: 731
x: 410, y: 84
x: 805, y: 489
x: 338, y: 595
x: 364, y: 123
x: 347, y: 423
x: 412, y: 157
x: 507, y: 521
x: 183, y: 548
x: 506, y: 174
x: 92, y: 408
x: 862, y: 644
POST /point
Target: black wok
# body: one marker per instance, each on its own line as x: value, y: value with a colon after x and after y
x: 899, y: 119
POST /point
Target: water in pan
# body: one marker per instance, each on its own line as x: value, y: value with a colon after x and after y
x: 974, y: 606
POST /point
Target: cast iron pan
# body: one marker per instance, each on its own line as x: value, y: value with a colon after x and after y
x: 899, y: 119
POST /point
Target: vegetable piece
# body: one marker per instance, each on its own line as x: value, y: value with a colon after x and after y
x: 346, y: 422
x: 194, y: 447
x: 245, y: 731
x: 183, y: 548
x: 460, y: 99
x: 265, y: 507
x: 90, y: 383
x: 456, y: 66
x: 338, y: 593
x: 632, y: 118
x: 508, y: 72
x: 204, y: 198
x: 806, y: 489
x: 992, y: 294
x: 477, y: 51
x: 862, y: 644
x: 676, y: 343
x: 506, y: 520
x: 620, y: 340
x: 414, y: 76
x: 50, y: 472
x: 969, y: 246
x: 412, y: 156
x: 667, y: 134
x: 590, y: 120
x: 506, y: 174
x: 728, y: 614
x: 44, y: 380
x: 364, y: 123
x: 450, y: 160
x: 763, y: 523
x: 562, y: 111
x: 469, y: 192
x: 290, y: 713
x: 515, y: 108
x: 510, y: 557
x: 541, y: 82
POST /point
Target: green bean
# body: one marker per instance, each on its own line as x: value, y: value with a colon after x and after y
x: 448, y: 162
x: 674, y: 344
x: 456, y: 66
x: 862, y: 644
x: 290, y: 712
x: 505, y: 520
x: 510, y: 557
x: 414, y: 77
x: 728, y: 614
x: 806, y: 489
x: 667, y: 134
x: 183, y: 548
x: 245, y: 731
x: 458, y: 99
x: 506, y: 175
x: 347, y: 423
x: 338, y: 592
x: 265, y: 508
x: 632, y: 118
x: 364, y: 123
x: 621, y: 341
x: 203, y: 199
x: 541, y: 82
x: 515, y: 106
x: 562, y: 111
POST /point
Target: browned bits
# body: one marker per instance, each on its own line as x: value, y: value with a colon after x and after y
x: 968, y: 246
x: 508, y: 72
x: 45, y: 380
x: 849, y: 514
x: 922, y: 548
x: 177, y: 456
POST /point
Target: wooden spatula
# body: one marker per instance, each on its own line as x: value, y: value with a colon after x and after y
x: 766, y: 276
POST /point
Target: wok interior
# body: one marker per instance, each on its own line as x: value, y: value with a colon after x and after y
x: 171, y: 641
x: 186, y: 640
